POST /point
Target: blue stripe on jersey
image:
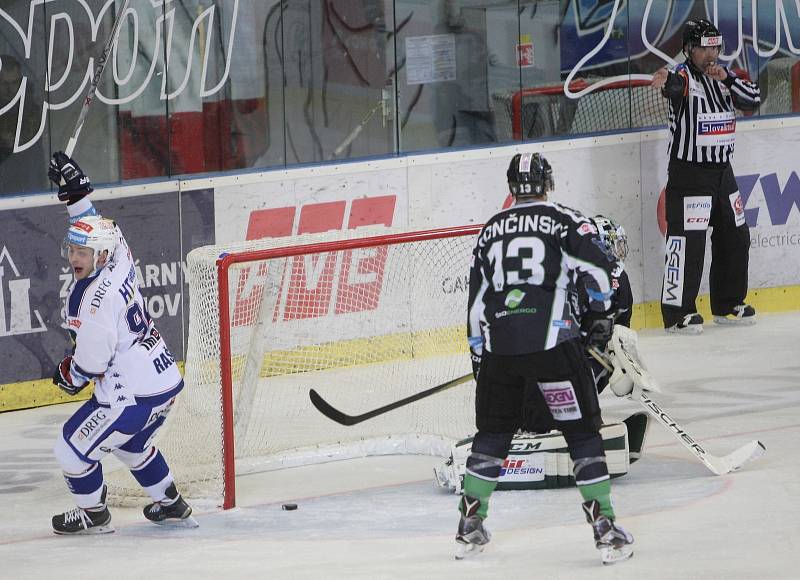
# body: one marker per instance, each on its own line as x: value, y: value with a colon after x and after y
x: 599, y: 296
x: 87, y: 375
x: 161, y: 398
x: 76, y: 296
x: 75, y: 218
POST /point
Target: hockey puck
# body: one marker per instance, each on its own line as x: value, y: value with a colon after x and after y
x: 289, y: 507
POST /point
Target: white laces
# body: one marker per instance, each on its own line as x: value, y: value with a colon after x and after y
x: 75, y: 515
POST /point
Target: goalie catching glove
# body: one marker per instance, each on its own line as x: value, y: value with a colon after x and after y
x: 76, y: 184
x: 64, y: 380
x: 596, y: 329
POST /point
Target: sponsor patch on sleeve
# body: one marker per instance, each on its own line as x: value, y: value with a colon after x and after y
x: 738, y: 208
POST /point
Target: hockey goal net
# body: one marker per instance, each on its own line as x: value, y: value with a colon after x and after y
x: 364, y: 321
x: 546, y: 111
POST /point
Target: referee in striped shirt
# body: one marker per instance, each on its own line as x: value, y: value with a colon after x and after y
x: 701, y: 188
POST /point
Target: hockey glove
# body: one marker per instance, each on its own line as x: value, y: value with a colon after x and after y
x: 76, y: 184
x: 476, y: 365
x: 596, y: 329
x: 63, y: 379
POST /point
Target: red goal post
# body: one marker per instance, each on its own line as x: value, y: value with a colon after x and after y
x: 546, y: 111
x: 224, y: 265
x: 365, y: 317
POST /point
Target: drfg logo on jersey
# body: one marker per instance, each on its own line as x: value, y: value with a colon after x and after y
x: 91, y: 428
x: 15, y: 307
x: 314, y: 285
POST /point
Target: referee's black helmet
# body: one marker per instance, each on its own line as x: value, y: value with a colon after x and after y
x: 700, y: 32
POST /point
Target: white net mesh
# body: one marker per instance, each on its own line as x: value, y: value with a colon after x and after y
x: 780, y: 86
x: 545, y: 111
x: 363, y: 327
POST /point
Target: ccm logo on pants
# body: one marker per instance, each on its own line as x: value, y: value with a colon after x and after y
x: 696, y: 212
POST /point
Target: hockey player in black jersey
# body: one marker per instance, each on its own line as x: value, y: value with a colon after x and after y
x: 701, y: 188
x: 523, y: 332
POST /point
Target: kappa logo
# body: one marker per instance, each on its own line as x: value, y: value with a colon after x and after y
x: 16, y: 315
x: 312, y: 286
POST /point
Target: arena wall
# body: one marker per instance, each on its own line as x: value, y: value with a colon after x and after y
x: 618, y: 175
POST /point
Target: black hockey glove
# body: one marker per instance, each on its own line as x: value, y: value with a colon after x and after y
x: 596, y: 329
x: 63, y: 379
x: 476, y: 365
x: 76, y: 184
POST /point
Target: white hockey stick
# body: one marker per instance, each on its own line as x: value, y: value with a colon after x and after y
x: 718, y: 465
x: 98, y: 72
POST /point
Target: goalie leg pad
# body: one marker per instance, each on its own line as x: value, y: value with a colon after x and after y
x: 537, y: 461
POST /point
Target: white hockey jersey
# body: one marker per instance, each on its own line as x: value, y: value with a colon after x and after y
x: 116, y: 342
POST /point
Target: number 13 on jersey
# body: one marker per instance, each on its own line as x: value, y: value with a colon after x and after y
x: 528, y: 252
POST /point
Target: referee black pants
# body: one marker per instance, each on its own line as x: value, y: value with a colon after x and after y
x: 699, y: 196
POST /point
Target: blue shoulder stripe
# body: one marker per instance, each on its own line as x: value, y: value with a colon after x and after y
x: 77, y: 295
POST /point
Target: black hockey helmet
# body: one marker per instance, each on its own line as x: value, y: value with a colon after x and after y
x: 701, y: 33
x: 529, y: 174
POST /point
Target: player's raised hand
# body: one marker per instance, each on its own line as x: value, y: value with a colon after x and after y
x: 659, y: 78
x: 73, y: 183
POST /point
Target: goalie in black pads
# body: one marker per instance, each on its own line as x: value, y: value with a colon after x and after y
x: 522, y: 332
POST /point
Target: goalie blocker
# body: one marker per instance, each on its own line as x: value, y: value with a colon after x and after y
x: 541, y: 461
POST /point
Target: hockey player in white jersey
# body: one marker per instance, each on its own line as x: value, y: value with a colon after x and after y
x: 116, y: 345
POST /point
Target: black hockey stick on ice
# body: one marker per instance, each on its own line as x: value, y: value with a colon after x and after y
x: 718, y: 465
x: 336, y: 415
x: 98, y: 72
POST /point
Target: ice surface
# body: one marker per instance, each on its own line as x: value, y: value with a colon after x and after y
x: 383, y: 518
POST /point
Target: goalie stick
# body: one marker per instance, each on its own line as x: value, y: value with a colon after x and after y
x: 98, y: 72
x: 718, y: 465
x: 342, y: 418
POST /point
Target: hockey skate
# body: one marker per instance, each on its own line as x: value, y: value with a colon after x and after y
x: 472, y: 536
x: 742, y: 315
x: 691, y: 324
x: 613, y: 542
x: 176, y: 512
x: 80, y: 521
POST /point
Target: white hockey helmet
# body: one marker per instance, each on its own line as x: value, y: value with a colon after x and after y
x: 95, y: 232
x: 613, y: 236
